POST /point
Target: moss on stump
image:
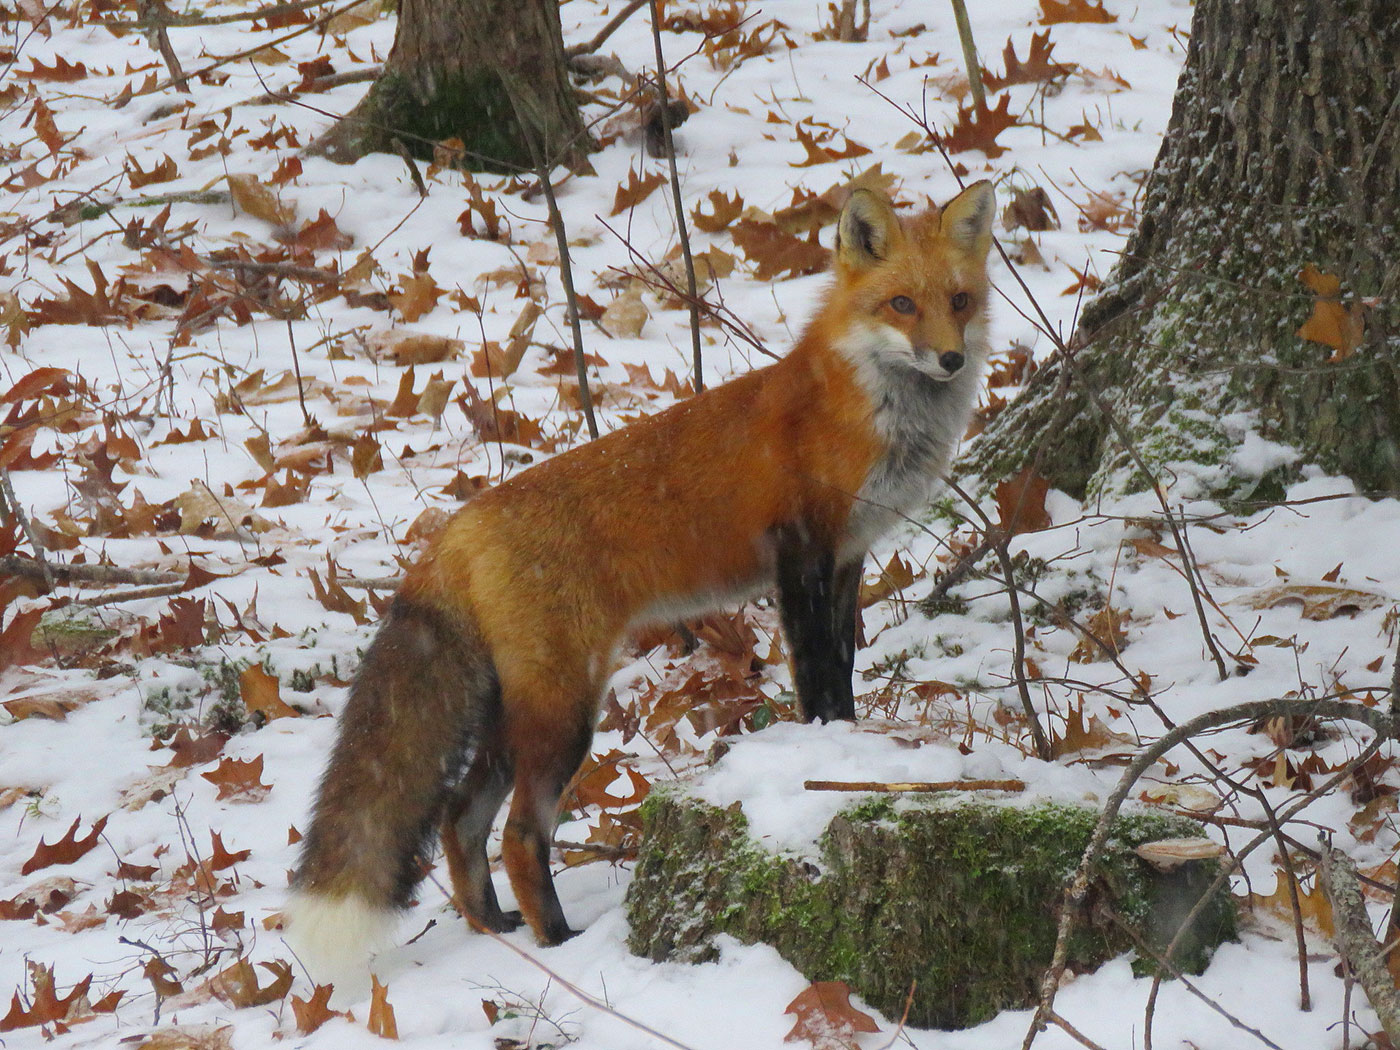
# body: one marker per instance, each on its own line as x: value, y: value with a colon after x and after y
x: 961, y: 897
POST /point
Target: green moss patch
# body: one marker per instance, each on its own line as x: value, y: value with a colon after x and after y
x: 960, y: 897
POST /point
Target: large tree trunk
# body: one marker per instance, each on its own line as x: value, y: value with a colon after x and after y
x: 1283, y: 150
x: 491, y: 73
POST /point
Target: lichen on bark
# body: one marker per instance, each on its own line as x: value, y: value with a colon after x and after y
x: 1283, y: 151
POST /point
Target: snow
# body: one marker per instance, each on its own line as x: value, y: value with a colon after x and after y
x: 438, y: 973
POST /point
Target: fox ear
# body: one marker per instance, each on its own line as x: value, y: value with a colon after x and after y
x: 966, y: 220
x: 867, y: 229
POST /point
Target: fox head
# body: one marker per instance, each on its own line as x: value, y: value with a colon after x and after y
x: 912, y: 295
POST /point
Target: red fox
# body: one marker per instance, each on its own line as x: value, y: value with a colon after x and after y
x: 487, y: 672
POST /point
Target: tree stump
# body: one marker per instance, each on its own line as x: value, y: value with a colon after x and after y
x: 960, y: 897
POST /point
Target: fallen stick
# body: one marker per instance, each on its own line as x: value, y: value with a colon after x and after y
x: 927, y: 785
x: 1355, y: 938
x: 96, y: 575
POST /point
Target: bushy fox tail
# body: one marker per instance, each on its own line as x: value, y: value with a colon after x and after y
x: 414, y: 717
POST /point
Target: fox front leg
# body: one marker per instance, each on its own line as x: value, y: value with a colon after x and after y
x: 818, y: 601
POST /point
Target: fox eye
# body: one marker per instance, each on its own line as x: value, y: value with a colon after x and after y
x: 903, y: 304
x: 960, y: 300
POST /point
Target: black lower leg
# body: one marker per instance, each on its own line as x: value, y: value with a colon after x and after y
x: 818, y: 601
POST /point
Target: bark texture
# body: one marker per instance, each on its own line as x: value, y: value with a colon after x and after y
x: 1283, y: 150
x: 489, y: 72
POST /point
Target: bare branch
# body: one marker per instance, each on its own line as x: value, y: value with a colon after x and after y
x: 614, y: 24
x: 77, y: 575
x: 664, y: 115
x: 1355, y: 940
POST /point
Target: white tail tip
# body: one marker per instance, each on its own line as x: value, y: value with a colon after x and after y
x: 334, y: 937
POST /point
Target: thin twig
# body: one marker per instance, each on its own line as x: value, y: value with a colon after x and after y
x: 134, y: 595
x: 1171, y: 968
x: 1074, y: 1033
x: 124, y: 98
x: 274, y: 269
x: 608, y: 30
x: 1000, y: 538
x: 566, y: 274
x: 154, y: 19
x: 658, y: 280
x: 407, y: 156
x: 665, y: 114
x: 1290, y: 872
x: 569, y: 986
x: 1189, y: 570
x: 296, y: 367
x: 9, y: 500
x: 175, y: 21
x: 878, y: 786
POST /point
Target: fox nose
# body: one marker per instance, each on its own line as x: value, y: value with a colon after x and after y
x: 951, y: 361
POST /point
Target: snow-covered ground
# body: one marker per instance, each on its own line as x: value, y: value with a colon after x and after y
x: 188, y: 873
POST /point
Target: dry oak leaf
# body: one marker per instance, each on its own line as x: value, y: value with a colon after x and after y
x: 638, y: 189
x: 724, y: 209
x: 381, y: 1014
x: 47, y: 1008
x: 625, y: 316
x: 1056, y: 11
x: 261, y: 694
x: 819, y: 154
x: 321, y: 234
x: 255, y: 199
x: 1030, y: 210
x: 165, y: 171
x: 191, y: 750
x: 238, y: 985
x: 1036, y: 68
x: 1332, y: 324
x: 414, y: 348
x: 1312, y: 903
x: 1106, y: 625
x: 895, y: 575
x: 45, y: 127
x: 53, y: 705
x: 66, y: 850
x: 366, y: 456
x: 826, y: 1018
x: 417, y: 295
x: 1021, y: 503
x: 239, y: 781
x: 1320, y: 601
x: 230, y: 518
x: 977, y: 127
x: 17, y: 640
x: 189, y: 1037
x: 775, y: 252
x: 599, y: 773
x: 312, y: 1013
x: 62, y: 71
x: 1078, y: 736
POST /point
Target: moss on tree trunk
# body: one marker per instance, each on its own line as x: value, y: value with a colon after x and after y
x: 958, y: 897
x: 1283, y: 150
x: 491, y: 73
